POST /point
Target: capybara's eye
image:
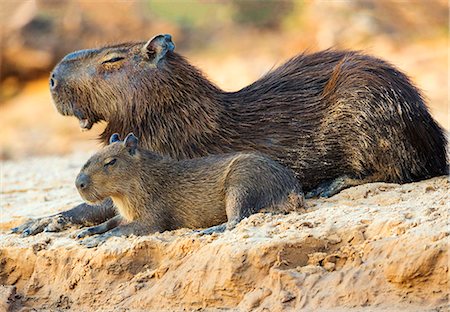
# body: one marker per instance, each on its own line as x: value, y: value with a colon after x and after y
x: 113, y: 60
x: 111, y: 162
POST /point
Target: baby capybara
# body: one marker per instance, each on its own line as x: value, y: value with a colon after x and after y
x: 154, y: 193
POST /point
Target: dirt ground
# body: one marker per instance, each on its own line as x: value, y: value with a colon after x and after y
x: 375, y: 247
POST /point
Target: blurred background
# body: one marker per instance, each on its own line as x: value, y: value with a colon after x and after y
x: 233, y: 42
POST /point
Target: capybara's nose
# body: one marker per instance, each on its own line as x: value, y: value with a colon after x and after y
x: 53, y: 81
x: 82, y: 181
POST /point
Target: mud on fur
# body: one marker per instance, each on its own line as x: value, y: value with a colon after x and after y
x: 154, y: 193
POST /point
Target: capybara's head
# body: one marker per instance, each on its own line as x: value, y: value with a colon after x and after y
x: 109, y: 172
x: 95, y: 84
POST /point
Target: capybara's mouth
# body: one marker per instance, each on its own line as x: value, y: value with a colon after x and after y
x: 85, y: 122
x: 70, y: 108
x: 92, y: 202
x: 91, y: 198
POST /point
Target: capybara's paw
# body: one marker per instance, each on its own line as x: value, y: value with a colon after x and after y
x: 34, y: 226
x: 84, y: 233
x: 94, y: 241
x: 19, y: 229
x: 316, y: 192
x: 331, y: 187
x: 214, y: 229
x: 57, y: 224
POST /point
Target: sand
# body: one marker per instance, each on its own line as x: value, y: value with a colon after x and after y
x: 374, y: 247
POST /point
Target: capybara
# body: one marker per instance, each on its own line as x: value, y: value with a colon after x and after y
x: 337, y: 118
x: 153, y: 193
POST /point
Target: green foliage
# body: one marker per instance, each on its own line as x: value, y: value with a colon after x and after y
x: 190, y: 14
x: 267, y: 14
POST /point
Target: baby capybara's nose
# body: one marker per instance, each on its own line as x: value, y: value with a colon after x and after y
x: 82, y: 181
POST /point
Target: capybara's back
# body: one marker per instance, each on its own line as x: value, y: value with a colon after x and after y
x: 375, y: 124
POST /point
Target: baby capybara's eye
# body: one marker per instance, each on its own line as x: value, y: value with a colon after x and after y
x: 111, y: 162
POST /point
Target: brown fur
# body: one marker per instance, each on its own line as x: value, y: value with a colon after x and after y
x: 337, y: 118
x: 152, y: 193
x: 325, y: 115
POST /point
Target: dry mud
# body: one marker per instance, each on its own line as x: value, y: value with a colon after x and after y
x: 375, y: 247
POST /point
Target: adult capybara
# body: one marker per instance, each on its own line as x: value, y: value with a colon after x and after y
x: 337, y: 118
x: 154, y: 193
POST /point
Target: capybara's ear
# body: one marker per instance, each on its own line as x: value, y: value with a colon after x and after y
x: 114, y: 138
x: 131, y: 143
x: 157, y: 47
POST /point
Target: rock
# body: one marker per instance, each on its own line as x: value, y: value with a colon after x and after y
x: 329, y: 266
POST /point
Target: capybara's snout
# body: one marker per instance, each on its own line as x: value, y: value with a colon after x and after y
x: 82, y: 182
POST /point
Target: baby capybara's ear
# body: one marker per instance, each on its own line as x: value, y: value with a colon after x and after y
x: 157, y: 47
x: 131, y: 143
x: 114, y: 138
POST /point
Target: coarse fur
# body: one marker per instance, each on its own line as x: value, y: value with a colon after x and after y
x: 325, y: 115
x: 337, y: 118
x: 154, y: 193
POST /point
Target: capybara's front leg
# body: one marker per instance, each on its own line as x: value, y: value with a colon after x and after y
x: 82, y: 214
x: 101, y: 228
x: 132, y: 228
